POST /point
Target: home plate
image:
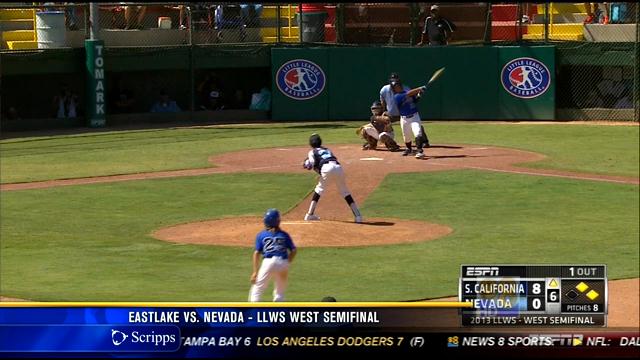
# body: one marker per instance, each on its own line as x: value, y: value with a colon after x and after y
x: 372, y: 159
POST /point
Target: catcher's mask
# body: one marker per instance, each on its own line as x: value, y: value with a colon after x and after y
x: 376, y: 108
x: 315, y: 141
x: 271, y: 218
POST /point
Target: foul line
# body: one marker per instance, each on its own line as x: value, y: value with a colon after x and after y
x: 533, y: 173
x: 575, y: 177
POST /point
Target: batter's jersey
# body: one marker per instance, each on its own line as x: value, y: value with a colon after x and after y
x: 386, y: 95
x: 274, y: 244
x: 320, y: 156
x: 406, y: 104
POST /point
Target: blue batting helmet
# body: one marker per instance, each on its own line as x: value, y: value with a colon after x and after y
x: 271, y: 218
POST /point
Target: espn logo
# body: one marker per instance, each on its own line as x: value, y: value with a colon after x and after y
x: 482, y: 271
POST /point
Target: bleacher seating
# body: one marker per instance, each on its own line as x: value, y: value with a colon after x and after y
x: 18, y: 29
x: 289, y: 30
x: 565, y: 22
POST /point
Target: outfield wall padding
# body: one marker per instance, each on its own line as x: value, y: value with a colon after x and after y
x: 469, y: 89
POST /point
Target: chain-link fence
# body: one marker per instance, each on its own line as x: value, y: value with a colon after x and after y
x: 597, y: 45
x: 27, y: 26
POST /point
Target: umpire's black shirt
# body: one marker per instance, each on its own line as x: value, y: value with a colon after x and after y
x: 435, y: 30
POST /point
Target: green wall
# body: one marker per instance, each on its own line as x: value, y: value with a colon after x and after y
x: 56, y: 61
x: 469, y: 89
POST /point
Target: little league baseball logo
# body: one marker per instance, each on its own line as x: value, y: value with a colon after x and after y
x: 525, y: 78
x: 300, y: 79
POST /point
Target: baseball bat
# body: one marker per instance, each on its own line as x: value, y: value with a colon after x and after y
x: 434, y: 77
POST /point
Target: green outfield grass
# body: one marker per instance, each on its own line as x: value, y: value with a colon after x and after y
x: 91, y: 242
x: 584, y: 148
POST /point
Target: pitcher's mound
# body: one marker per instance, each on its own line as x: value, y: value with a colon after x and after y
x: 241, y: 231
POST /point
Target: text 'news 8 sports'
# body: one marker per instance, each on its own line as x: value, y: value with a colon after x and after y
x: 534, y: 295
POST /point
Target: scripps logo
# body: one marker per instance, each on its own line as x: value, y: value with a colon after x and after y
x: 300, y: 79
x: 118, y: 337
x: 525, y: 78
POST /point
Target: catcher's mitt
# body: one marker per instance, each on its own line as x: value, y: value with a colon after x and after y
x: 382, y: 123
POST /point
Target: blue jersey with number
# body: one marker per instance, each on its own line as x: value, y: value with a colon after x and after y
x: 272, y: 244
x: 406, y: 104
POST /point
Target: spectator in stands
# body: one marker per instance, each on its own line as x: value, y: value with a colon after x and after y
x: 606, y: 13
x: 122, y: 99
x: 66, y: 103
x: 165, y: 104
x: 597, y: 14
x: 251, y: 14
x: 70, y: 17
x: 623, y: 12
x: 134, y: 11
x: 200, y: 12
x: 184, y: 21
x: 210, y: 93
x: 437, y: 29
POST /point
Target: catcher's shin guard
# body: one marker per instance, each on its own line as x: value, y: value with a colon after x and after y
x: 426, y: 138
x: 420, y: 141
x: 389, y: 142
x: 371, y: 141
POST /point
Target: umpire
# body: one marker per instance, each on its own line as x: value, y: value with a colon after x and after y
x: 437, y: 30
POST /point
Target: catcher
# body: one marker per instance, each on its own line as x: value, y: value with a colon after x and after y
x: 378, y: 129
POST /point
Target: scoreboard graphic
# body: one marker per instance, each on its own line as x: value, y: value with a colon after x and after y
x: 534, y: 295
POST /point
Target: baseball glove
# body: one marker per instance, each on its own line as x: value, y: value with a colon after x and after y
x: 382, y: 123
x: 307, y: 164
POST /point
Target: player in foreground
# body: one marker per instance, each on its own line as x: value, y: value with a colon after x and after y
x: 326, y: 164
x: 278, y: 252
x: 379, y: 128
x: 410, y: 117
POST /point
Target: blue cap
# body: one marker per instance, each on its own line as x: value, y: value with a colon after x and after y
x: 271, y: 218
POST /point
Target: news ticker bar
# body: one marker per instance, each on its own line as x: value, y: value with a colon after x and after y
x: 174, y: 341
x: 244, y: 330
x: 160, y: 304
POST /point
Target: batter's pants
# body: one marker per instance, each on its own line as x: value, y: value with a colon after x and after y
x: 275, y: 267
x: 332, y: 171
x: 410, y: 127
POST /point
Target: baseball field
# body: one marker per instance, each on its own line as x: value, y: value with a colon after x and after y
x: 171, y: 214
